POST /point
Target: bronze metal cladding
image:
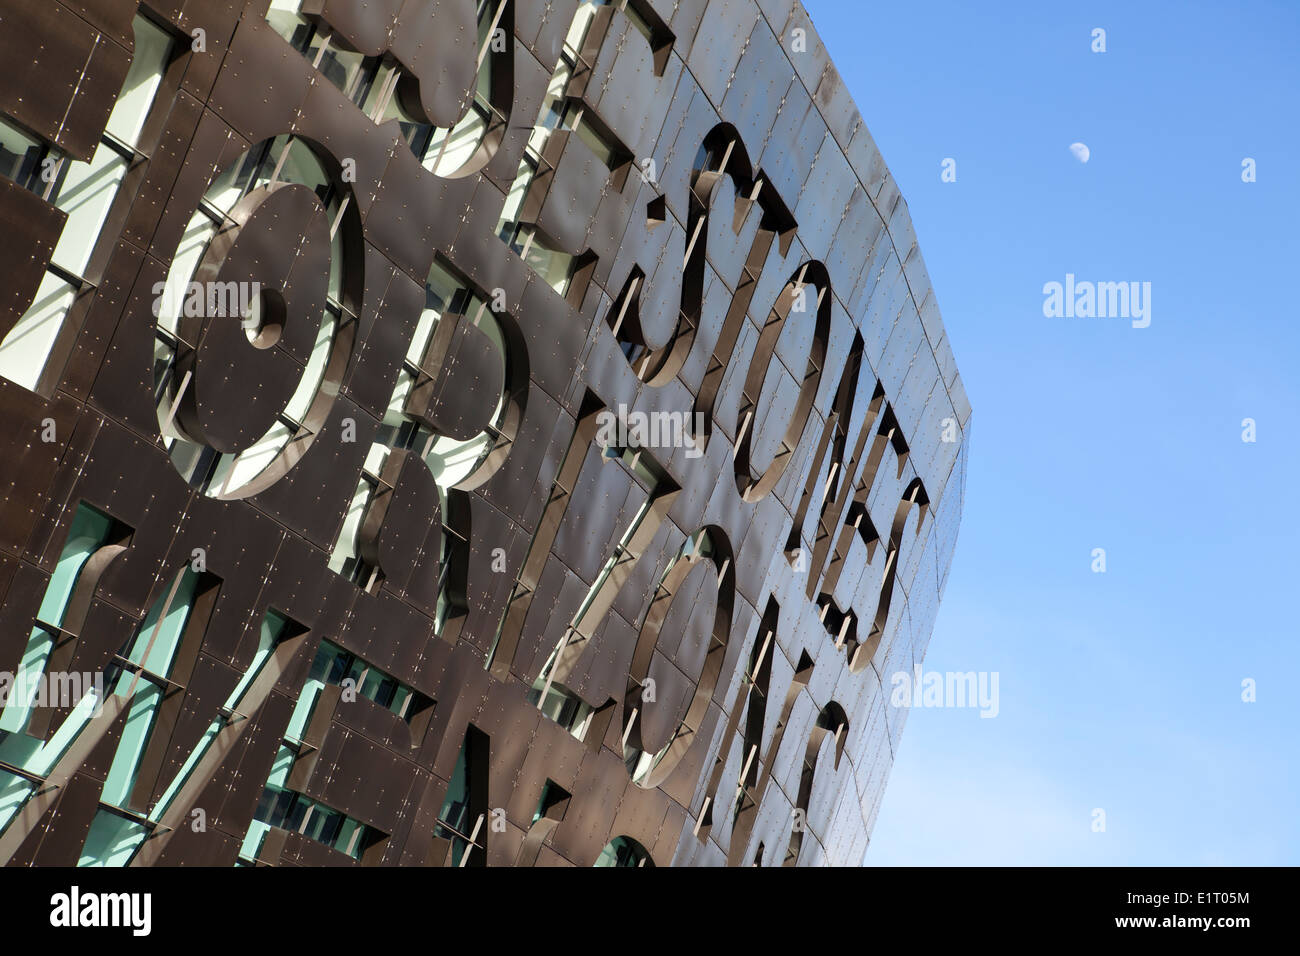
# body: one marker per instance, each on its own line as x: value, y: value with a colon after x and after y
x: 443, y: 433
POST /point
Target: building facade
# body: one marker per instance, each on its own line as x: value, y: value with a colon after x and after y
x: 439, y: 433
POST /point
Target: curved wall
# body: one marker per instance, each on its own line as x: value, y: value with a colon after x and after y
x: 541, y: 450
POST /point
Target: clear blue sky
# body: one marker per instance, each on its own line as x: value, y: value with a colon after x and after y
x: 1121, y: 690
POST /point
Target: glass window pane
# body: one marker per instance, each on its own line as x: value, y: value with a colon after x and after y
x: 186, y: 769
x: 22, y: 695
x: 394, y: 415
x: 194, y: 242
x: 284, y: 19
x: 88, y: 533
x: 423, y: 331
x: 368, y: 96
x: 554, y: 267
x: 20, y: 155
x: 515, y: 198
x: 344, y: 68
x: 149, y: 62
x: 111, y: 841
x: 346, y: 841
x: 302, y: 711
x: 27, y: 346
x: 168, y: 636
x: 14, y: 791
x: 460, y: 145
x: 272, y: 632
x: 37, y: 756
x: 622, y: 851
x: 375, y: 459
x: 401, y: 694
x: 314, y: 373
x: 455, y: 807
x: 346, y: 546
x: 85, y: 195
x: 596, y: 143
x: 440, y: 287
x: 252, y: 844
x: 372, y: 685
x: 301, y: 166
x: 254, y: 460
x: 135, y: 736
x: 296, y: 812
x: 578, y: 29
